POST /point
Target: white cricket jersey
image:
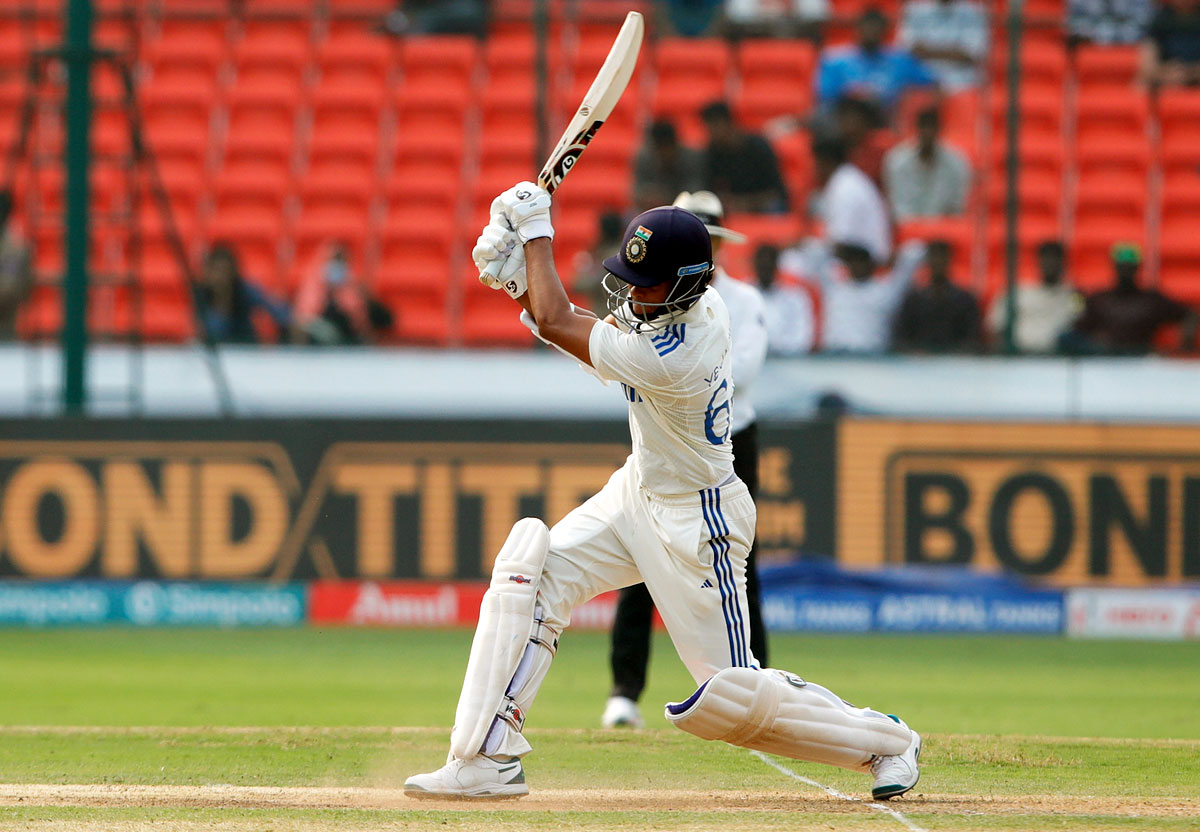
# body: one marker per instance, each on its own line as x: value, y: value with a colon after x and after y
x: 748, y: 328
x: 679, y: 384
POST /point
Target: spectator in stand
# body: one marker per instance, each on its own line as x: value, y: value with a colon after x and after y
x: 776, y: 18
x: 228, y: 302
x: 849, y: 203
x: 950, y: 36
x: 939, y: 316
x: 869, y: 68
x: 1125, y: 319
x: 858, y: 305
x: 926, y: 177
x: 663, y: 167
x: 589, y: 267
x: 739, y: 166
x: 863, y: 128
x: 1171, y: 51
x: 1108, y: 22
x: 791, y: 321
x: 1045, y: 310
x: 16, y: 268
x: 333, y: 307
x: 688, y: 18
x: 437, y: 17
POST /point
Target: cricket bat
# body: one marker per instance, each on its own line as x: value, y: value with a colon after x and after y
x: 597, y: 105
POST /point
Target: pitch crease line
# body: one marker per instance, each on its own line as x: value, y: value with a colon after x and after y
x: 878, y: 807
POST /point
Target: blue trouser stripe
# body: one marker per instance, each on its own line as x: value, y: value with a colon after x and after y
x: 733, y: 586
x: 710, y: 502
x: 705, y: 497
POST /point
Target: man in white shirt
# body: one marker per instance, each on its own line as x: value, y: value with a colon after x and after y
x: 951, y: 36
x: 630, y: 654
x: 858, y: 305
x: 850, y: 204
x: 1044, y: 310
x: 791, y: 319
x: 756, y: 11
x: 1109, y: 21
x: 675, y: 516
x: 924, y: 177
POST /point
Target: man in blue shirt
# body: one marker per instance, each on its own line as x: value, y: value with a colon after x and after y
x: 869, y: 67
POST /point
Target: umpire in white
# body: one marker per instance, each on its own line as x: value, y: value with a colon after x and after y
x: 630, y: 654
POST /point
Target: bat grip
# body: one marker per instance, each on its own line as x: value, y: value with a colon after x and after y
x: 489, y: 275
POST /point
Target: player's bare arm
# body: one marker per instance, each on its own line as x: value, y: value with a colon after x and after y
x: 557, y: 319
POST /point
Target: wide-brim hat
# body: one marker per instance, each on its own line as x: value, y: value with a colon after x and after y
x: 707, y: 206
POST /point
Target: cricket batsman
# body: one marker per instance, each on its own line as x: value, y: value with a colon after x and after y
x: 675, y: 517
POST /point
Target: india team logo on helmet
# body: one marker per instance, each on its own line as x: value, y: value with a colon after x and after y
x: 635, y: 249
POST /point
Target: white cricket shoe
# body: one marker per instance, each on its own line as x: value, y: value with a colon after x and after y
x: 898, y: 773
x: 479, y: 778
x: 621, y: 711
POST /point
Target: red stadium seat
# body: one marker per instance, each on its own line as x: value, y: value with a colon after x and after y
x: 1112, y: 196
x: 760, y: 102
x: 439, y: 56
x: 424, y: 193
x: 1181, y: 200
x: 1042, y: 62
x: 492, y: 319
x: 442, y: 97
x: 41, y: 314
x: 353, y: 56
x: 275, y: 46
x: 1040, y: 153
x: 705, y: 59
x: 1179, y: 253
x: 417, y: 256
x: 199, y: 49
x: 791, y: 60
x: 1106, y: 66
x: 1106, y: 113
x: 1039, y: 197
x: 794, y: 151
x: 251, y: 174
x: 167, y: 316
x: 420, y: 319
x: 443, y: 152
x: 278, y: 93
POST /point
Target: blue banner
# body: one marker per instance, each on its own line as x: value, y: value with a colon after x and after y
x: 152, y: 604
x: 818, y: 596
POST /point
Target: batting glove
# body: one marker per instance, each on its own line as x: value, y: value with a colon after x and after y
x: 499, y: 243
x: 526, y: 206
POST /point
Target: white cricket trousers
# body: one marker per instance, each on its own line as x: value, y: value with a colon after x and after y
x: 689, y: 549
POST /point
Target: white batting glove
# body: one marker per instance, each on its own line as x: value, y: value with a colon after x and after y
x: 498, y: 242
x: 526, y: 206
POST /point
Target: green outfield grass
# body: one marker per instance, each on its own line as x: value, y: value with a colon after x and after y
x: 1022, y: 733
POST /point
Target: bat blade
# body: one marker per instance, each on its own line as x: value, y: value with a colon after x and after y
x: 597, y: 105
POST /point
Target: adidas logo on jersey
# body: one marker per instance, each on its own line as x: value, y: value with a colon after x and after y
x: 707, y: 584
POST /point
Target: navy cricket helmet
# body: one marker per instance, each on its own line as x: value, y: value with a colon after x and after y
x: 662, y: 245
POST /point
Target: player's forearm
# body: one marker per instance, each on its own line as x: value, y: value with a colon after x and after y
x: 548, y: 301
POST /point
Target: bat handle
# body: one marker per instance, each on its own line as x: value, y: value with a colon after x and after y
x: 489, y: 275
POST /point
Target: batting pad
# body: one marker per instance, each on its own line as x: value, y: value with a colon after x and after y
x: 779, y: 713
x: 506, y: 624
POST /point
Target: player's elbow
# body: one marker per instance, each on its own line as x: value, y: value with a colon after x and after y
x: 553, y: 323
